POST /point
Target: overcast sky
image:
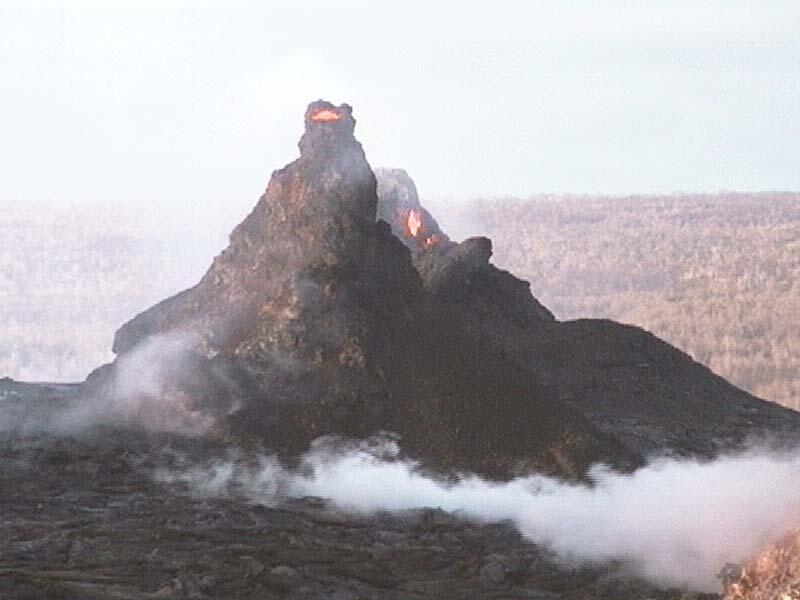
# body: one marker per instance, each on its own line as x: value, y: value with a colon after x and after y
x: 177, y: 101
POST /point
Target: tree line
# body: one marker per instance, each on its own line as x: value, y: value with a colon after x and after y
x: 717, y: 275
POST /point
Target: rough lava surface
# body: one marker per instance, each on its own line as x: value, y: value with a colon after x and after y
x: 328, y: 315
x: 315, y: 321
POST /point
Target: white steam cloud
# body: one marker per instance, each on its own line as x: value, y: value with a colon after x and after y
x: 141, y: 392
x: 138, y: 393
x: 676, y: 522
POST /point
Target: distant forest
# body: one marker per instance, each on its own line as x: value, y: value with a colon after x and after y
x: 71, y: 275
x: 717, y: 275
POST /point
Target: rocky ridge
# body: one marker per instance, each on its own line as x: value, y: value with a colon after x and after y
x: 321, y: 318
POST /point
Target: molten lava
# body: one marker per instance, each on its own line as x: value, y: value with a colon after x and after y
x: 431, y: 241
x: 414, y: 223
x: 326, y: 116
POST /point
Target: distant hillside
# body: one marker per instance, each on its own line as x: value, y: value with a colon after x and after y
x: 716, y: 275
x: 70, y: 275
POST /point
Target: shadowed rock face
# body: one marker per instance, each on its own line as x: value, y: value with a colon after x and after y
x: 458, y: 273
x: 321, y: 324
x: 399, y: 202
x: 312, y: 227
x: 329, y: 313
x: 319, y: 319
x: 83, y: 519
x: 635, y: 387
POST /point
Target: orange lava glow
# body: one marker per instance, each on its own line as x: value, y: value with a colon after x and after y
x: 326, y: 116
x: 431, y: 241
x: 414, y: 223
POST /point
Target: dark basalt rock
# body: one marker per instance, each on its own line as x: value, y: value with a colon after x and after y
x: 327, y: 314
x: 312, y: 228
x: 459, y: 274
x: 325, y: 326
x: 84, y: 520
x: 635, y: 387
x: 398, y: 198
x: 323, y: 316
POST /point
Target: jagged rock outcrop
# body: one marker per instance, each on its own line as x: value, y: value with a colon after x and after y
x: 400, y: 207
x: 315, y: 321
x: 460, y: 274
x: 323, y: 318
x: 773, y: 575
x: 645, y: 393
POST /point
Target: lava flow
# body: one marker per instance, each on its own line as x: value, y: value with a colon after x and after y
x: 326, y: 116
x: 413, y: 224
x: 431, y: 241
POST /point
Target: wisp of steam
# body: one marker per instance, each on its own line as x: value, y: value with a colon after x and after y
x: 139, y: 394
x: 675, y: 521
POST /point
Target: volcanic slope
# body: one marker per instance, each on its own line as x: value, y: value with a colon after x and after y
x: 645, y: 393
x: 319, y: 319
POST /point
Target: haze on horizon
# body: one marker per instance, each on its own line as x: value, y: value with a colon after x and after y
x: 173, y: 101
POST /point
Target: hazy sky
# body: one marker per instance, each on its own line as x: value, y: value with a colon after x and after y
x: 177, y: 101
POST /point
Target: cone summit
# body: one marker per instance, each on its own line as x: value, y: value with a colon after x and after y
x: 341, y: 308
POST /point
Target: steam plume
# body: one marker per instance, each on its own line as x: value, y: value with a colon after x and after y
x: 676, y: 522
x: 139, y: 394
